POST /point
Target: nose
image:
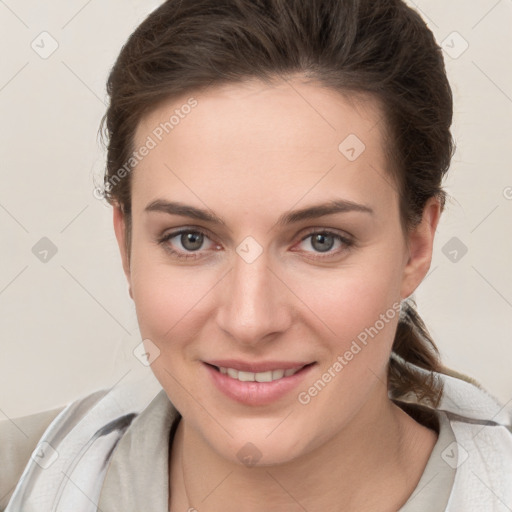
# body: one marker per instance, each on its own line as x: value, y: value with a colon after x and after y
x: 255, y: 304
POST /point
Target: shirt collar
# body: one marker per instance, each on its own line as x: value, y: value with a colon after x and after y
x: 138, y: 474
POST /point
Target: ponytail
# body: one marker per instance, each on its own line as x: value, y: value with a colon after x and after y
x: 414, y: 344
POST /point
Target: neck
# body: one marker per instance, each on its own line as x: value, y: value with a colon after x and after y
x: 373, y: 463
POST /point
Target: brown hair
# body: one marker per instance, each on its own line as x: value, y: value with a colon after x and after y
x: 378, y: 47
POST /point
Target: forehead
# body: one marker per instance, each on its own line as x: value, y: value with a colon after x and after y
x: 290, y: 138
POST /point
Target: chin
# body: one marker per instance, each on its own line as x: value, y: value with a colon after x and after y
x: 258, y: 451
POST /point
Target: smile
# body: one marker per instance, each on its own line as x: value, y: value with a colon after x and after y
x: 256, y: 388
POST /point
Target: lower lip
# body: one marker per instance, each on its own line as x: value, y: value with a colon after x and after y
x: 256, y: 393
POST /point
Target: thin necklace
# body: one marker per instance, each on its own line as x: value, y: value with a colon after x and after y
x: 183, y: 477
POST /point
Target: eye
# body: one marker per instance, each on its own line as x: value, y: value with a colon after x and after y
x: 191, y: 241
x: 323, y: 241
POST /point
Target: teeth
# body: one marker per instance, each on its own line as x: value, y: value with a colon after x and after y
x: 268, y: 376
x: 232, y: 373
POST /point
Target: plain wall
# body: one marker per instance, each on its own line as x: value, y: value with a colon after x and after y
x: 68, y: 326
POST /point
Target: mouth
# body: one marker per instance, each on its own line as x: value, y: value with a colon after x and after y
x: 257, y: 388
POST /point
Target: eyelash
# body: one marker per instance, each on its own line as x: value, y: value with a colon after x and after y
x: 347, y: 242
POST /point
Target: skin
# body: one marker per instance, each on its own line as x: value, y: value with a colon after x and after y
x: 250, y: 152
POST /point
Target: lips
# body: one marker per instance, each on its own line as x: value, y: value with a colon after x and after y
x: 257, y: 393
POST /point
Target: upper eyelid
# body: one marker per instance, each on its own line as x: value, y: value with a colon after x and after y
x: 180, y: 231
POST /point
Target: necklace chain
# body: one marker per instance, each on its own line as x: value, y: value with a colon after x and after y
x: 183, y: 477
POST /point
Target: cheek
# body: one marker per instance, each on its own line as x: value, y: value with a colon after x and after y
x: 351, y: 299
x: 162, y: 297
x: 169, y: 300
x: 355, y: 313
x: 359, y: 316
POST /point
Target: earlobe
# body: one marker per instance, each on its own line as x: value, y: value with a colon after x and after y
x: 120, y: 232
x: 421, y: 243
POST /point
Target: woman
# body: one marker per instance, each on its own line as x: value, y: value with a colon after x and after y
x: 275, y: 173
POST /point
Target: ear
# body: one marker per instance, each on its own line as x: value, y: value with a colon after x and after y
x: 420, y: 245
x: 120, y: 231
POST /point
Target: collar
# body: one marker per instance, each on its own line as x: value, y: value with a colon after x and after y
x: 140, y: 464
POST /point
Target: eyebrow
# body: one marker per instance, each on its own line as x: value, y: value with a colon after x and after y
x: 311, y: 212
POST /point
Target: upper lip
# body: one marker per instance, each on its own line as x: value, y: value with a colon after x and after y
x: 264, y: 366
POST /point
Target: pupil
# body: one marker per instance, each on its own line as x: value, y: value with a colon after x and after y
x: 321, y: 238
x: 196, y: 240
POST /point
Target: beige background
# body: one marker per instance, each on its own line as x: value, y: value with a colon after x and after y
x: 68, y: 327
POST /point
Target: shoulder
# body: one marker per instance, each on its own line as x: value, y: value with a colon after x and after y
x: 483, y: 480
x: 86, y: 432
x: 21, y: 441
x: 480, y: 449
x: 482, y: 427
x: 18, y: 439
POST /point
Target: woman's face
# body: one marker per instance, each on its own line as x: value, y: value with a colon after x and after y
x: 258, y: 285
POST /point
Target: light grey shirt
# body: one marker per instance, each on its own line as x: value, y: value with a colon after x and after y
x: 436, y: 483
x: 431, y: 493
x: 138, y: 478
